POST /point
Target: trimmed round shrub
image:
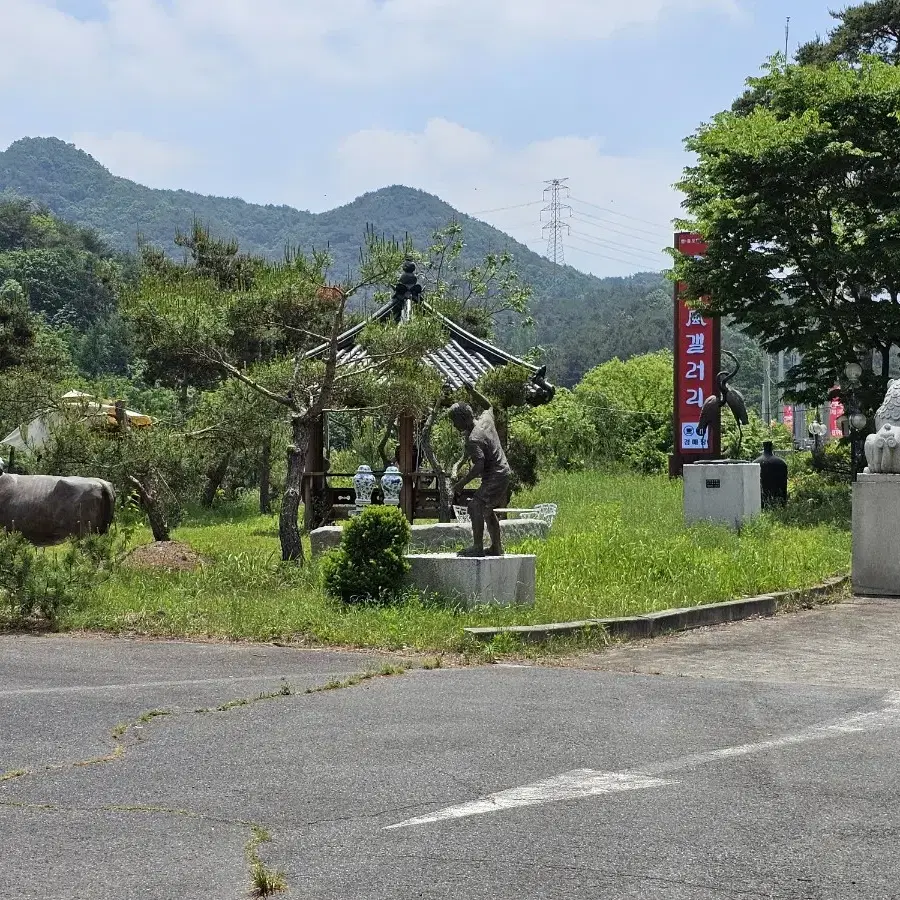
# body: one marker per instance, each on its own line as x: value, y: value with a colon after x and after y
x: 370, y: 565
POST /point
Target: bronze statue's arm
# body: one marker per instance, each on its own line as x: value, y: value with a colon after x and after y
x: 475, y: 472
x: 482, y: 400
x: 454, y: 471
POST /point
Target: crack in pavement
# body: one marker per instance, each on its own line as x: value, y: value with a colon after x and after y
x: 120, y: 732
x: 264, y: 881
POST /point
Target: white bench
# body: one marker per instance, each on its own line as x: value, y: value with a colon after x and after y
x: 544, y: 511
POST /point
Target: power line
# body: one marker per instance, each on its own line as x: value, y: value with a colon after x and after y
x: 480, y: 212
x: 615, y: 212
x: 558, y: 212
x: 634, y: 260
x: 618, y: 259
x: 633, y: 228
x: 656, y: 244
x: 624, y: 249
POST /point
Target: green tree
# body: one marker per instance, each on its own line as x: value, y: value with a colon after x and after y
x: 156, y: 464
x: 752, y: 436
x: 630, y: 406
x: 34, y: 360
x: 567, y: 432
x: 189, y: 313
x: 871, y: 28
x: 105, y: 347
x: 473, y: 296
x: 797, y: 199
x: 18, y: 326
x: 234, y: 426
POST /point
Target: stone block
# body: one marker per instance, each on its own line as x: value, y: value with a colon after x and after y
x: 724, y: 492
x: 440, y: 536
x: 476, y: 581
x: 876, y: 536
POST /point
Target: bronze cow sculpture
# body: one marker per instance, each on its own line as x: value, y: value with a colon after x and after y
x: 47, y: 509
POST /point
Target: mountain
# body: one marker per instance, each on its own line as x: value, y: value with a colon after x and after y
x: 583, y: 319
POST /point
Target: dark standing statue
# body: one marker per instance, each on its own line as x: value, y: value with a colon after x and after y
x: 724, y: 395
x: 489, y: 463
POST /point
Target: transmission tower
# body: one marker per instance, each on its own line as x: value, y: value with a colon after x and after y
x: 556, y: 191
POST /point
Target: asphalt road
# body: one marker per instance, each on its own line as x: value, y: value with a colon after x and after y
x: 748, y: 761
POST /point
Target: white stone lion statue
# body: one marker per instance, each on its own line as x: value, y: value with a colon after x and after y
x: 883, y: 447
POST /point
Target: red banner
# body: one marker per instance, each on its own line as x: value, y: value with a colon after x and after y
x: 835, y: 412
x: 696, y: 349
x: 788, y: 417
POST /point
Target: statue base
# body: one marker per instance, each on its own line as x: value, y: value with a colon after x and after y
x: 440, y: 537
x: 876, y: 536
x: 725, y: 491
x: 475, y: 580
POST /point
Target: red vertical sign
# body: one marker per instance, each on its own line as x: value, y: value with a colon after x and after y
x: 696, y: 364
x: 835, y: 413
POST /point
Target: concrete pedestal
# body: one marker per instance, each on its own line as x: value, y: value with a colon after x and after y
x: 725, y: 492
x: 876, y: 536
x: 440, y: 537
x: 476, y: 581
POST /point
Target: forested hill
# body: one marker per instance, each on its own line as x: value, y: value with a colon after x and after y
x: 585, y: 320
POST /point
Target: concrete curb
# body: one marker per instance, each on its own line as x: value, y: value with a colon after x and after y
x: 669, y: 620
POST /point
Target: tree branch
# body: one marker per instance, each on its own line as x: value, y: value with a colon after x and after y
x: 306, y: 331
x: 251, y: 383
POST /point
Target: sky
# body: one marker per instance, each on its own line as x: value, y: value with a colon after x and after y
x: 311, y: 103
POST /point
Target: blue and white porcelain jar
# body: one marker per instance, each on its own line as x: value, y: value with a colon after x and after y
x: 363, y: 484
x: 392, y: 484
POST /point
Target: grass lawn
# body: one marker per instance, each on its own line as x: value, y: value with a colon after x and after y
x: 617, y: 547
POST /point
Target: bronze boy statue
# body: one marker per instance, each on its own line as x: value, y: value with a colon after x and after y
x: 488, y: 463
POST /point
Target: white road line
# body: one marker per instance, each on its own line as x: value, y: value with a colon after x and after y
x: 887, y: 717
x: 589, y: 782
x: 570, y: 786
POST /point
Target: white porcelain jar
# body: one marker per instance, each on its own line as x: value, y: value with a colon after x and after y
x: 392, y: 484
x: 363, y: 484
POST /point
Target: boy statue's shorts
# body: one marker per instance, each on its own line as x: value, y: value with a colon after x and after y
x: 493, y: 491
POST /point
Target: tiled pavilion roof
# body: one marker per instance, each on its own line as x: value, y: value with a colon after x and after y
x: 463, y: 357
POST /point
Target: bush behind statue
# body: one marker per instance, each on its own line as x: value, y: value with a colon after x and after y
x: 370, y: 564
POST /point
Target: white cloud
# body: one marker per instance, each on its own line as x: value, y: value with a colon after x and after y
x: 184, y: 49
x: 622, y: 207
x: 131, y: 155
x: 103, y: 82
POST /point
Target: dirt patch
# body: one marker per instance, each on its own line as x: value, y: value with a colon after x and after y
x: 172, y: 556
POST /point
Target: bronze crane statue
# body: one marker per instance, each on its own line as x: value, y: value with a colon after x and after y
x: 725, y: 395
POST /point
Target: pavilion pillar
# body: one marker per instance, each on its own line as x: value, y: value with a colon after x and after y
x: 408, y: 466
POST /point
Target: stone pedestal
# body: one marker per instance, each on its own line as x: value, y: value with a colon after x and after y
x: 876, y: 536
x: 437, y: 537
x: 476, y: 581
x: 724, y: 492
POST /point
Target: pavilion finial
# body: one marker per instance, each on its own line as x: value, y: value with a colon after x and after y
x: 407, y: 290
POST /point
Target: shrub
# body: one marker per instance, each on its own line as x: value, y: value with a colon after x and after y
x: 523, y: 452
x: 568, y: 438
x: 371, y: 562
x: 817, y: 499
x: 630, y: 405
x: 755, y: 433
x: 35, y: 581
x: 504, y: 386
x: 649, y: 451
